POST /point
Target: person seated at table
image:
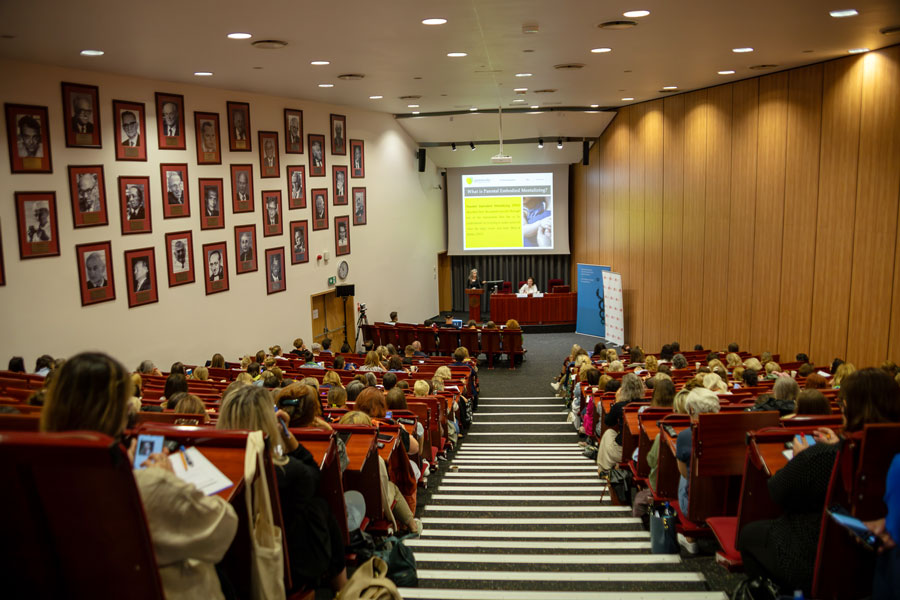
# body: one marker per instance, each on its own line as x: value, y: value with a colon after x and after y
x: 332, y: 378
x: 314, y: 540
x: 372, y: 362
x: 189, y: 404
x: 528, y: 287
x: 784, y: 549
x: 337, y: 397
x: 811, y: 402
x: 609, y: 453
x: 190, y: 531
x: 301, y: 403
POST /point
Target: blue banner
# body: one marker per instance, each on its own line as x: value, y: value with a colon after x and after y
x: 591, y: 311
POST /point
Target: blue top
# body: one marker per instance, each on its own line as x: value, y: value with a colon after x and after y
x: 892, y: 499
x: 683, y: 446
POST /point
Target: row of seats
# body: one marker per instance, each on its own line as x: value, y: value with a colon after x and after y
x: 445, y: 340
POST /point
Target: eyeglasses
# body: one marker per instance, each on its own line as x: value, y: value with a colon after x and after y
x: 129, y: 124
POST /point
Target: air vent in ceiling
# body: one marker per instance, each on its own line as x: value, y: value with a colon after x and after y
x: 892, y: 30
x: 269, y: 44
x: 351, y: 76
x: 545, y: 91
x: 410, y: 97
x: 615, y: 25
x: 763, y: 67
x: 668, y: 91
x: 569, y: 66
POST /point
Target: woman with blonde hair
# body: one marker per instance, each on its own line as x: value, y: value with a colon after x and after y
x: 841, y: 374
x: 337, y: 397
x: 753, y: 363
x: 189, y: 404
x: 615, y: 366
x: 652, y: 364
x: 715, y: 363
x: 332, y: 378
x: 372, y: 362
x: 420, y: 388
x: 200, y: 374
x: 732, y: 360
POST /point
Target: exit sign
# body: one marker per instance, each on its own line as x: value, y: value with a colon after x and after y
x: 331, y: 280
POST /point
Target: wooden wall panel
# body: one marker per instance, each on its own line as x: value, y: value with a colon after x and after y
x: 634, y: 294
x: 842, y: 87
x: 673, y: 216
x: 592, y: 185
x: 606, y: 198
x: 653, y: 226
x: 773, y: 100
x: 894, y: 344
x: 801, y: 189
x: 878, y: 180
x: 718, y: 200
x: 620, y: 137
x: 577, y: 218
x: 693, y: 226
x: 742, y: 219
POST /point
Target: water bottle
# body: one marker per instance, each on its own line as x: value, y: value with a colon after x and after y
x: 667, y: 510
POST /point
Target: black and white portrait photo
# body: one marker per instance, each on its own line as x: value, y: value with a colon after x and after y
x: 95, y: 270
x: 38, y: 221
x: 180, y: 258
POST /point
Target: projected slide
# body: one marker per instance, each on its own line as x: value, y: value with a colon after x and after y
x: 507, y: 211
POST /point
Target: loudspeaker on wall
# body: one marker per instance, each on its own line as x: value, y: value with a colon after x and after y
x: 585, y: 152
x: 345, y: 290
x: 421, y: 156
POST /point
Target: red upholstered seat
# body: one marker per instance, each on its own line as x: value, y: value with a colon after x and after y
x: 726, y: 529
x: 554, y: 282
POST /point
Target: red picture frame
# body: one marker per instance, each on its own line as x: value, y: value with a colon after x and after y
x: 239, y: 126
x: 273, y: 220
x: 359, y: 205
x: 215, y: 269
x: 95, y: 272
x: 208, y: 137
x: 275, y: 280
x: 293, y: 131
x: 81, y: 115
x: 341, y: 236
x: 87, y: 189
x: 320, y: 210
x: 140, y: 273
x: 269, y: 162
x: 212, y: 209
x: 296, y: 186
x: 36, y: 221
x: 357, y: 159
x: 340, y: 182
x: 170, y: 121
x: 28, y: 135
x: 130, y: 127
x: 339, y: 135
x: 299, y: 247
x: 2, y: 268
x: 245, y: 256
x: 242, y: 189
x: 316, y: 155
x: 174, y: 182
x: 134, y: 205
x: 180, y: 257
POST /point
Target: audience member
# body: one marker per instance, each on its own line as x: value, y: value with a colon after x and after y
x: 16, y: 364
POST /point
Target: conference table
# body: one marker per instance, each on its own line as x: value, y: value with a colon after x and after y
x: 549, y: 309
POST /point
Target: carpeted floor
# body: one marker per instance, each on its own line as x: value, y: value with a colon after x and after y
x: 518, y: 513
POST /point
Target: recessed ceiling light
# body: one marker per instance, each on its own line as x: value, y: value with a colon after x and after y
x: 629, y: 99
x: 840, y: 14
x: 203, y: 73
x: 474, y: 108
x: 375, y: 97
x: 595, y: 106
x: 437, y: 21
x: 729, y: 72
x: 540, y: 142
x: 535, y: 106
x: 326, y: 85
x: 600, y: 50
x: 857, y: 50
x: 519, y: 100
x: 415, y: 112
x: 92, y: 52
x: 520, y: 89
x: 670, y: 87
x: 559, y: 144
x: 319, y: 63
x: 412, y: 106
x: 239, y: 36
x: 523, y: 74
x: 742, y: 50
x: 456, y: 54
x: 636, y: 14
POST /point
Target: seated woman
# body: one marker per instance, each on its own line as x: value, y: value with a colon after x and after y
x: 315, y: 544
x: 337, y: 397
x: 609, y: 453
x: 811, y: 402
x: 190, y: 404
x: 784, y: 549
x: 190, y: 531
x: 372, y: 362
x: 217, y: 362
x: 332, y: 379
x: 529, y: 287
x: 301, y: 403
x: 176, y: 382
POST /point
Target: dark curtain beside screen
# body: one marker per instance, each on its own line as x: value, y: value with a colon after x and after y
x: 512, y: 268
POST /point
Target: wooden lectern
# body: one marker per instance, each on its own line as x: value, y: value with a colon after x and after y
x: 474, y: 303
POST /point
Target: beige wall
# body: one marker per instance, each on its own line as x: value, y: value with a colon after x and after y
x: 41, y: 307
x: 763, y: 212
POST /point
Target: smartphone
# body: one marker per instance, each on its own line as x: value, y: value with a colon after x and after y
x: 345, y: 436
x: 857, y: 527
x: 383, y: 437
x: 389, y: 414
x: 147, y: 445
x: 284, y: 430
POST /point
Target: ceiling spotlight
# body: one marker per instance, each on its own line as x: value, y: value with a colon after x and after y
x: 319, y: 63
x: 92, y: 52
x: 534, y: 106
x: 840, y: 14
x: 520, y: 89
x: 474, y: 108
x: 595, y: 106
x: 728, y: 72
x: 415, y: 112
x: 600, y: 50
x: 559, y: 144
x: 326, y: 85
x: 456, y: 54
x: 540, y: 142
x: 670, y: 87
x: 437, y: 21
x: 239, y: 36
x: 628, y: 99
x: 472, y: 145
x: 453, y: 146
x: 523, y: 74
x: 202, y: 73
x: 857, y: 50
x: 375, y: 97
x: 636, y: 14
x: 742, y: 50
x: 412, y: 106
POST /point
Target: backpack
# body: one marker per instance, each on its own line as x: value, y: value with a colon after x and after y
x: 401, y: 563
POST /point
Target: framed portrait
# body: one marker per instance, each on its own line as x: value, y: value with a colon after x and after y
x: 341, y: 235
x: 170, y: 121
x: 180, y: 257
x: 296, y: 177
x: 140, y: 273
x: 37, y: 224
x: 275, y: 271
x: 176, y: 202
x: 134, y: 205
x: 320, y: 208
x: 339, y: 179
x: 357, y: 159
x: 273, y: 223
x: 269, y: 164
x: 209, y: 144
x: 245, y: 249
x: 339, y: 135
x: 87, y: 188
x: 212, y: 213
x: 95, y: 273
x: 215, y: 268
x: 316, y: 155
x: 239, y: 126
x: 130, y: 129
x: 81, y: 115
x: 293, y: 131
x: 299, y: 242
x: 242, y: 189
x: 28, y: 134
x: 359, y: 205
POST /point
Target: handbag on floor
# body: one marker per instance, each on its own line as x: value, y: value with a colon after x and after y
x: 401, y: 563
x: 663, y: 537
x: 370, y: 582
x: 621, y: 486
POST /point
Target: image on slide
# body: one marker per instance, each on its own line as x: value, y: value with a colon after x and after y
x: 537, y: 222
x: 508, y: 211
